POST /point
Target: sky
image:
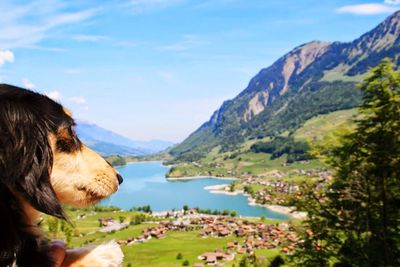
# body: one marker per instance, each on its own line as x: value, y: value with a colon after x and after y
x: 158, y: 69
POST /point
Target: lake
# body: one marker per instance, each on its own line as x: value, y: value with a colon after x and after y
x: 145, y: 184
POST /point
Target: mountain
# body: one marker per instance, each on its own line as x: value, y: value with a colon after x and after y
x: 314, y: 78
x: 107, y: 142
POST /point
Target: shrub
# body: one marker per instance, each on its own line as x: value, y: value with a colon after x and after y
x: 122, y: 219
x: 138, y: 219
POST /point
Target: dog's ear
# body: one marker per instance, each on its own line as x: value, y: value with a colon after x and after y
x: 26, y: 156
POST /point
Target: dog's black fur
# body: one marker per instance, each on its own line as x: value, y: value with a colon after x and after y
x: 26, y: 121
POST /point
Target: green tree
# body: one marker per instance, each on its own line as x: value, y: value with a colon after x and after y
x: 277, y: 262
x: 244, y: 262
x: 185, y: 209
x: 225, y: 212
x: 121, y: 218
x: 356, y: 220
x: 67, y: 230
x: 53, y: 226
x: 232, y: 186
x: 138, y: 219
x: 147, y: 209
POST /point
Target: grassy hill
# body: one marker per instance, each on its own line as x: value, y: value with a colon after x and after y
x: 321, y: 132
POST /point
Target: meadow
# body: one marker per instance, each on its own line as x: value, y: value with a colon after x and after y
x: 152, y: 253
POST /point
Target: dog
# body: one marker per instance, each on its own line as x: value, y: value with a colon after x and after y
x: 44, y: 165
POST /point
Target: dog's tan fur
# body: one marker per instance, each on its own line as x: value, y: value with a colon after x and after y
x: 80, y: 178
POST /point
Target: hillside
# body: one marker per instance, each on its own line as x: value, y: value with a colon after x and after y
x: 312, y: 79
x: 107, y: 142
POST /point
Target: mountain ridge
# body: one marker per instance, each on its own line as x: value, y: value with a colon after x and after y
x: 314, y: 78
x: 107, y: 142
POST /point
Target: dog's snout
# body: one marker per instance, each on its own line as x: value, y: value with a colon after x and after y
x: 119, y: 177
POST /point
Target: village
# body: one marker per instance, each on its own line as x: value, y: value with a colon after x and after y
x: 277, y: 191
x: 249, y: 235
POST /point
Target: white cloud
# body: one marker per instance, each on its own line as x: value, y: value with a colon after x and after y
x: 25, y: 25
x: 51, y: 49
x: 128, y: 44
x: 141, y: 6
x: 166, y: 76
x: 28, y: 84
x: 90, y: 38
x: 367, y: 9
x: 78, y: 100
x: 392, y: 2
x: 6, y: 56
x: 188, y: 42
x: 55, y: 95
x: 73, y: 71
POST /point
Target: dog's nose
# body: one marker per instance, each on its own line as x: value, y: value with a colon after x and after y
x: 119, y: 177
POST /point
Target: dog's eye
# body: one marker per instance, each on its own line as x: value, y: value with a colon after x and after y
x: 64, y: 145
x: 67, y: 141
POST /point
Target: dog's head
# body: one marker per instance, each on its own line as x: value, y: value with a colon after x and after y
x: 42, y: 160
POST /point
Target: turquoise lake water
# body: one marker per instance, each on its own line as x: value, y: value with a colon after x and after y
x: 145, y: 184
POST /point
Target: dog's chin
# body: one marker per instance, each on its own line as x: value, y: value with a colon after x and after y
x: 91, y: 197
x: 82, y: 196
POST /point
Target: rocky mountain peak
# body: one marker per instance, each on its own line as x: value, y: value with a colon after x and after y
x: 300, y: 58
x: 382, y: 37
x: 314, y: 78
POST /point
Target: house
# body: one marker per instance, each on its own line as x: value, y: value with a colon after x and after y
x: 209, y: 257
x: 113, y: 227
x: 241, y: 250
x: 230, y: 245
x: 106, y: 221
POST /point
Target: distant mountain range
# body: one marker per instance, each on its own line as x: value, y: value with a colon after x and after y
x: 314, y: 78
x: 108, y: 143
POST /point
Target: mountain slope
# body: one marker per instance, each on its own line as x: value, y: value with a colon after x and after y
x: 314, y: 78
x: 107, y: 142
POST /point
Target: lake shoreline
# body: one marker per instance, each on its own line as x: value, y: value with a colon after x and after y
x: 290, y: 211
x: 186, y: 178
x: 146, y: 161
x: 148, y: 184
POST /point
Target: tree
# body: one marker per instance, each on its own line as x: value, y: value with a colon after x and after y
x: 356, y: 220
x: 138, y: 219
x: 67, y: 230
x: 277, y: 262
x: 232, y: 186
x: 244, y: 262
x: 53, y: 226
x: 122, y: 218
x: 147, y: 209
x: 185, y: 209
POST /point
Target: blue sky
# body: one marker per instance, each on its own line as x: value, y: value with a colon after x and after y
x: 157, y: 69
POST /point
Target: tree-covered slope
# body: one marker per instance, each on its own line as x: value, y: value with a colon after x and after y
x: 314, y: 78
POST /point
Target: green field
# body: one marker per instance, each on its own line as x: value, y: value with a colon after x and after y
x: 240, y: 164
x: 322, y: 132
x: 327, y: 126
x: 154, y: 252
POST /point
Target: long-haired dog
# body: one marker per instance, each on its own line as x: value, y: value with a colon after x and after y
x: 43, y: 164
